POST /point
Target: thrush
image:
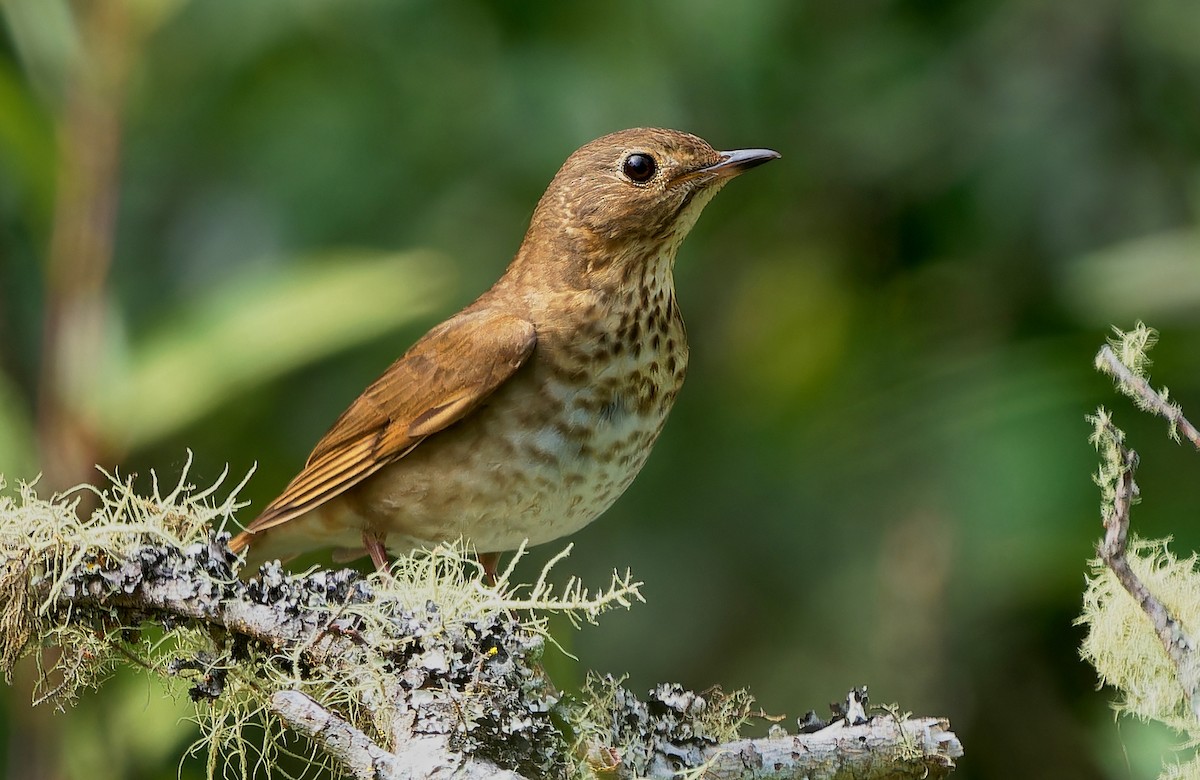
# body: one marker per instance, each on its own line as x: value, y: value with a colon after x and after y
x: 526, y: 415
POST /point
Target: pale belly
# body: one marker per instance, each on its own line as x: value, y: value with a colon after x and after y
x: 528, y: 467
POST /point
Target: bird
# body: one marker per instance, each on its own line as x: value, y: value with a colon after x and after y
x: 524, y: 416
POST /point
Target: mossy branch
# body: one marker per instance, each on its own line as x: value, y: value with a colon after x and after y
x: 426, y: 672
x: 1176, y: 640
x: 1125, y: 359
x: 1142, y: 604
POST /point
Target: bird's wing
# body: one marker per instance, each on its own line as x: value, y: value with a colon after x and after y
x: 440, y: 380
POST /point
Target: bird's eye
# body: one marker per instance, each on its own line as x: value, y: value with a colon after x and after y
x: 640, y: 167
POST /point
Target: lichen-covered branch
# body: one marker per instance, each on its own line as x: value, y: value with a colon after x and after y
x: 882, y: 747
x: 1142, y: 602
x: 426, y: 673
x: 1125, y: 360
x: 359, y: 757
x: 1179, y: 645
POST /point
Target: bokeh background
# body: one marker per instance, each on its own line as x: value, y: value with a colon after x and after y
x: 220, y: 219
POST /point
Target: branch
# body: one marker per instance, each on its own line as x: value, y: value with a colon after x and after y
x: 1138, y: 388
x: 882, y: 747
x: 425, y: 673
x: 1122, y: 492
x: 361, y: 758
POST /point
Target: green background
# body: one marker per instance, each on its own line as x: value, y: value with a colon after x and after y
x: 878, y: 471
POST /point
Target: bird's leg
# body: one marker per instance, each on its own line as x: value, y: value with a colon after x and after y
x: 374, y: 544
x: 490, y: 562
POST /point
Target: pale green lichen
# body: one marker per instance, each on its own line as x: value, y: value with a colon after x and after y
x: 909, y: 747
x: 1108, y: 441
x: 1189, y: 770
x: 431, y: 638
x: 43, y: 541
x: 1122, y: 645
x: 1121, y: 642
x: 1133, y: 347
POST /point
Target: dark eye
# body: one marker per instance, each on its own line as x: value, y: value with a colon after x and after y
x: 640, y: 167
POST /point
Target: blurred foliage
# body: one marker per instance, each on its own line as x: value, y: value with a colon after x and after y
x: 878, y: 471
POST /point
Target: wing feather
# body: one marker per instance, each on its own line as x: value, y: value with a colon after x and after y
x: 438, y: 382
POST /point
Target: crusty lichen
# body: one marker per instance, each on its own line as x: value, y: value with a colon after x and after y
x: 671, y: 731
x: 44, y: 542
x: 431, y: 641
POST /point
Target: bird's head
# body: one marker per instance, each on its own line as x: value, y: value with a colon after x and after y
x: 634, y: 193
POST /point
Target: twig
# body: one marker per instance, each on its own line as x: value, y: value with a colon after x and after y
x: 1150, y: 399
x: 1180, y: 647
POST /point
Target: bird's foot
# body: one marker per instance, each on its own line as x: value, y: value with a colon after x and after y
x: 490, y: 562
x: 374, y: 544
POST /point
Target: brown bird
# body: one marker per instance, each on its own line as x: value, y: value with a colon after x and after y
x: 525, y: 415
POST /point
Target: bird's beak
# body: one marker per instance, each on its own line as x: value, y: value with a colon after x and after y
x: 734, y: 162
